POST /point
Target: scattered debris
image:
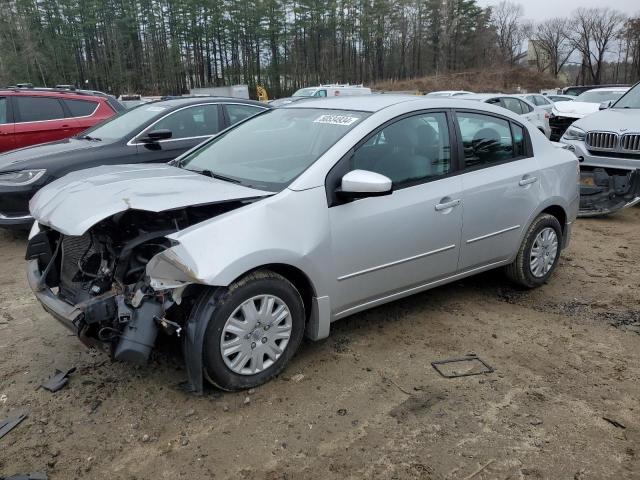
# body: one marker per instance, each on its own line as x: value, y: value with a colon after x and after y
x: 485, y: 368
x: 479, y: 470
x: 390, y: 380
x: 298, y: 377
x: 247, y: 400
x: 535, y: 422
x: 615, y: 423
x: 59, y: 379
x: 7, y: 425
x: 342, y: 412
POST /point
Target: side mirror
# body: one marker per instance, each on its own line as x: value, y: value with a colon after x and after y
x: 605, y: 105
x: 363, y: 183
x: 156, y: 135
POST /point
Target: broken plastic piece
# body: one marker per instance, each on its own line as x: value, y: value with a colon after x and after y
x: 58, y: 380
x: 469, y: 358
x: 7, y: 425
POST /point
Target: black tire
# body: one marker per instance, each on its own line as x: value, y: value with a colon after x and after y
x: 520, y: 270
x: 220, y: 304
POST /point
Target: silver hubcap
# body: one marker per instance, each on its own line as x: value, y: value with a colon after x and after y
x: 256, y: 335
x: 543, y: 252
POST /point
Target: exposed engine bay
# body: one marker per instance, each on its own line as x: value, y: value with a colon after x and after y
x: 102, y: 274
x: 606, y: 190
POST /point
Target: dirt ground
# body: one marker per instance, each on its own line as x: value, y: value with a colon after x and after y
x: 364, y: 403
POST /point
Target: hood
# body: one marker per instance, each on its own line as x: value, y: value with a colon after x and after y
x: 575, y: 109
x: 41, y: 156
x: 79, y: 200
x: 616, y: 120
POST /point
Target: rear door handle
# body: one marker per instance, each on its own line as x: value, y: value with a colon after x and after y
x: 527, y: 180
x: 447, y: 204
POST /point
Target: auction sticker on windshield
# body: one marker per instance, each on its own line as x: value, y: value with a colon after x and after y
x: 336, y: 119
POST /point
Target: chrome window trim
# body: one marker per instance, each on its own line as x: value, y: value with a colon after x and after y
x: 132, y: 143
x: 56, y: 119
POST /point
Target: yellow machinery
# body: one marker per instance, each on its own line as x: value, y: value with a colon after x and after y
x: 262, y: 93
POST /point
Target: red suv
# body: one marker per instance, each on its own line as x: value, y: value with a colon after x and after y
x: 32, y: 116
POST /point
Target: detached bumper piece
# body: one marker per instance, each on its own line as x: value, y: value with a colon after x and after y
x: 558, y: 126
x: 604, y: 191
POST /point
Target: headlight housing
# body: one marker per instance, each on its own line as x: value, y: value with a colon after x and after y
x: 21, y: 178
x: 574, y: 133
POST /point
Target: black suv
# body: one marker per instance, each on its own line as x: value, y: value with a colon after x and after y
x: 152, y: 132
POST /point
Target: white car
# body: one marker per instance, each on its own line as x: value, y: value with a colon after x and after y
x: 538, y: 100
x: 515, y: 103
x: 564, y: 114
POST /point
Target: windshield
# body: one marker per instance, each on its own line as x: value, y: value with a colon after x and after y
x: 270, y: 150
x: 305, y: 92
x: 631, y: 99
x: 125, y: 123
x: 599, y: 96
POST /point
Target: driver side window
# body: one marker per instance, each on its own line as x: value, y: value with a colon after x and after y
x: 410, y: 151
x: 197, y: 121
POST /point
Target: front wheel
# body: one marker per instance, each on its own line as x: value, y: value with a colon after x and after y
x: 255, y: 328
x: 539, y: 253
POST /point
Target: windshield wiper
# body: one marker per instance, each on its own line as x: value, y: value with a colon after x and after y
x: 90, y: 138
x: 217, y: 176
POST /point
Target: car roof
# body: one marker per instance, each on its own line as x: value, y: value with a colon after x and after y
x: 32, y: 92
x: 183, y: 101
x: 362, y: 103
x: 486, y: 96
x: 608, y: 89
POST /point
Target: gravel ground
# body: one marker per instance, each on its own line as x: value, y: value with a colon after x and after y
x: 364, y: 403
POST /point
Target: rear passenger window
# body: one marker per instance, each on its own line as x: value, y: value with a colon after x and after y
x: 513, y: 104
x: 240, y: 112
x: 486, y: 139
x: 80, y: 108
x: 3, y: 111
x: 409, y: 151
x: 526, y: 108
x: 37, y: 109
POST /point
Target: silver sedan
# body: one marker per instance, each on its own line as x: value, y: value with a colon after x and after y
x: 294, y: 219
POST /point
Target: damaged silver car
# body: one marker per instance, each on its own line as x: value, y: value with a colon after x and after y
x: 607, y: 144
x: 293, y: 219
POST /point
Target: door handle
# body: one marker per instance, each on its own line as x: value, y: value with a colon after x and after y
x: 526, y: 180
x: 448, y: 204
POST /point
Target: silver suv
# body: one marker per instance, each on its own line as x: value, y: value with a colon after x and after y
x: 296, y: 218
x: 607, y: 144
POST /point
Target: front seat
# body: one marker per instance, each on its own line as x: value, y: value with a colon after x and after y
x: 487, y: 145
x: 400, y: 162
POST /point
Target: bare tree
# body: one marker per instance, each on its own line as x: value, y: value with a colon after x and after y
x: 511, y: 31
x: 551, y: 46
x: 595, y: 31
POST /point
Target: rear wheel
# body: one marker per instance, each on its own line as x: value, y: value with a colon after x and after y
x: 254, y: 330
x: 539, y: 253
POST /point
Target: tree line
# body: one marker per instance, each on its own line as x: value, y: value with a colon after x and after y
x: 170, y: 46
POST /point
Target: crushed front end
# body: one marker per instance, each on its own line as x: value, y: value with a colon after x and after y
x: 96, y: 283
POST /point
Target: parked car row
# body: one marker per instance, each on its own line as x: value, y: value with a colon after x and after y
x: 151, y: 133
x: 254, y: 238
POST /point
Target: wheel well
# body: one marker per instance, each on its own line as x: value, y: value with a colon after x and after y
x: 299, y: 280
x: 558, y: 212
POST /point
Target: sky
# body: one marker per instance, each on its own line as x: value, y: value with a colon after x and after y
x: 542, y: 9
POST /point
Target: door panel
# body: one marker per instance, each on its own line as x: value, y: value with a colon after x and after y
x: 384, y: 245
x: 40, y: 120
x: 500, y: 192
